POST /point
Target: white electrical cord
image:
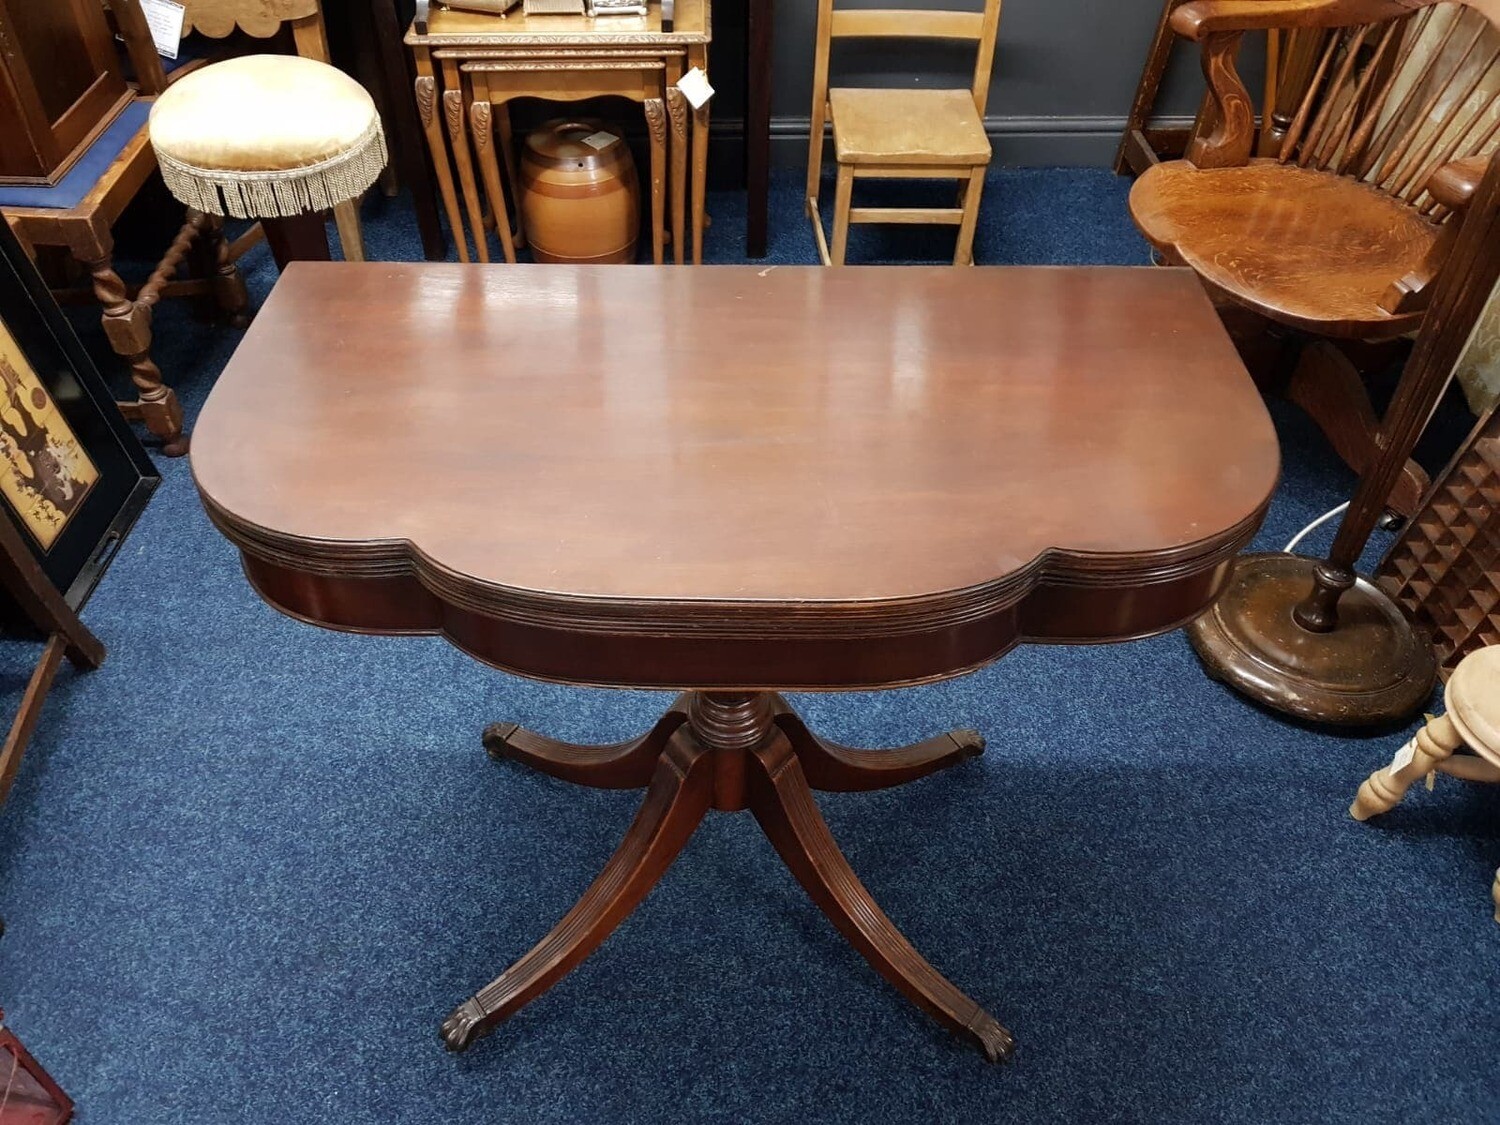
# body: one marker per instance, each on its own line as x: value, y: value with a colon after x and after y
x: 1312, y: 527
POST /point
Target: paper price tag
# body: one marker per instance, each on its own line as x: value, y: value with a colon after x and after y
x: 1404, y: 757
x: 694, y: 86
x: 164, y: 18
x: 600, y: 140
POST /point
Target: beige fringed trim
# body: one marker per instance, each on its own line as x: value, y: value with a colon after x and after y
x: 283, y: 193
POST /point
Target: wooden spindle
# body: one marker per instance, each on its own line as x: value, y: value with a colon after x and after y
x: 1355, y: 151
x: 1411, y: 181
x: 1390, y: 130
x: 1352, y: 39
x: 1390, y: 167
x: 1294, y: 134
x: 1340, y: 134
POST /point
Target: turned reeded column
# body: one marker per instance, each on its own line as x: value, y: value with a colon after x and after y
x: 730, y: 725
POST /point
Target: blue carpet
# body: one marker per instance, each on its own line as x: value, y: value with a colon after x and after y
x: 249, y: 865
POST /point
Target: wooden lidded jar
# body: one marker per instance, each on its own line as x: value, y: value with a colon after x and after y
x: 580, y: 196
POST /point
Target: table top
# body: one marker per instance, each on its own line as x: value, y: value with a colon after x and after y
x: 780, y: 477
x: 449, y: 27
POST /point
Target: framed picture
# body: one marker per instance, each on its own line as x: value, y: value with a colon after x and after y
x: 73, y: 478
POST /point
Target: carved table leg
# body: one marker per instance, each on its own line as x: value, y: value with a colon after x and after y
x: 656, y: 119
x: 677, y: 112
x: 1495, y: 894
x: 675, y: 803
x: 432, y: 129
x: 842, y: 769
x: 783, y: 804
x: 620, y: 765
x: 453, y: 114
x: 481, y: 125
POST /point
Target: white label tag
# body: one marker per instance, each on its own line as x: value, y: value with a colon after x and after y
x: 600, y: 140
x: 694, y: 86
x: 1404, y: 757
x: 164, y: 18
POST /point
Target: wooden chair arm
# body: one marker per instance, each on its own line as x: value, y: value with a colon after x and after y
x: 1455, y: 183
x: 1226, y: 129
x: 1199, y: 19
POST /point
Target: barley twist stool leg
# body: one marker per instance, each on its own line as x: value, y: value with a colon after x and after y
x: 1383, y: 789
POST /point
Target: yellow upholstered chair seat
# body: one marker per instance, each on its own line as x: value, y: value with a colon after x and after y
x: 929, y: 127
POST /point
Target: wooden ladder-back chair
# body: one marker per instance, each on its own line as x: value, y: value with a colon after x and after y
x: 263, y: 19
x: 910, y: 134
x: 1334, y: 239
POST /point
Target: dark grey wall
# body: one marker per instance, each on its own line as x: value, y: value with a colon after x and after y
x: 1065, y: 73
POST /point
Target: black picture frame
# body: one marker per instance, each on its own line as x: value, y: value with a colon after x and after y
x: 78, y: 556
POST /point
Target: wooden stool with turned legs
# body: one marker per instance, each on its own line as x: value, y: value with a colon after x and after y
x: 279, y: 138
x: 1472, y: 720
x: 263, y: 19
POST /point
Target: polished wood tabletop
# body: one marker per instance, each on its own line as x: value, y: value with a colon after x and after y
x: 863, y: 476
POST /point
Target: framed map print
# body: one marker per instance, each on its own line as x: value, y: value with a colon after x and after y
x: 73, y: 477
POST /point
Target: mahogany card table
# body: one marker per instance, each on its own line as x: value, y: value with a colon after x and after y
x: 734, y: 482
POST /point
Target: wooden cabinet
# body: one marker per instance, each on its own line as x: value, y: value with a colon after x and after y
x: 63, y: 83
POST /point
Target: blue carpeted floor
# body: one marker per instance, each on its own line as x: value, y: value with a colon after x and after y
x: 249, y: 865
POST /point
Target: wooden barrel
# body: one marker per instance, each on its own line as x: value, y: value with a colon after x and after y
x: 580, y: 196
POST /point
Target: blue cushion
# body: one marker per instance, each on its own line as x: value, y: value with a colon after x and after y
x: 82, y: 177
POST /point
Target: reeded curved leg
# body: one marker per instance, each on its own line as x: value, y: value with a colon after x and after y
x: 675, y: 804
x: 619, y: 765
x: 843, y: 769
x: 783, y: 804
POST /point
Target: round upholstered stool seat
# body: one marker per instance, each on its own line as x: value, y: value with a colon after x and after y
x: 1473, y: 701
x: 267, y: 137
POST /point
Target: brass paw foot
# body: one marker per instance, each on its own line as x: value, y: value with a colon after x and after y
x: 462, y: 1027
x: 997, y: 1044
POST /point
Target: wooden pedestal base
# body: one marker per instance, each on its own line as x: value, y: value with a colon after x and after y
x: 728, y: 752
x: 1370, y: 668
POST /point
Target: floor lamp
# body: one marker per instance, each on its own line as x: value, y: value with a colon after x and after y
x: 1309, y: 637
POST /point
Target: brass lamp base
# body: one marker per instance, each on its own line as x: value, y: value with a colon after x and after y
x: 1371, y: 669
